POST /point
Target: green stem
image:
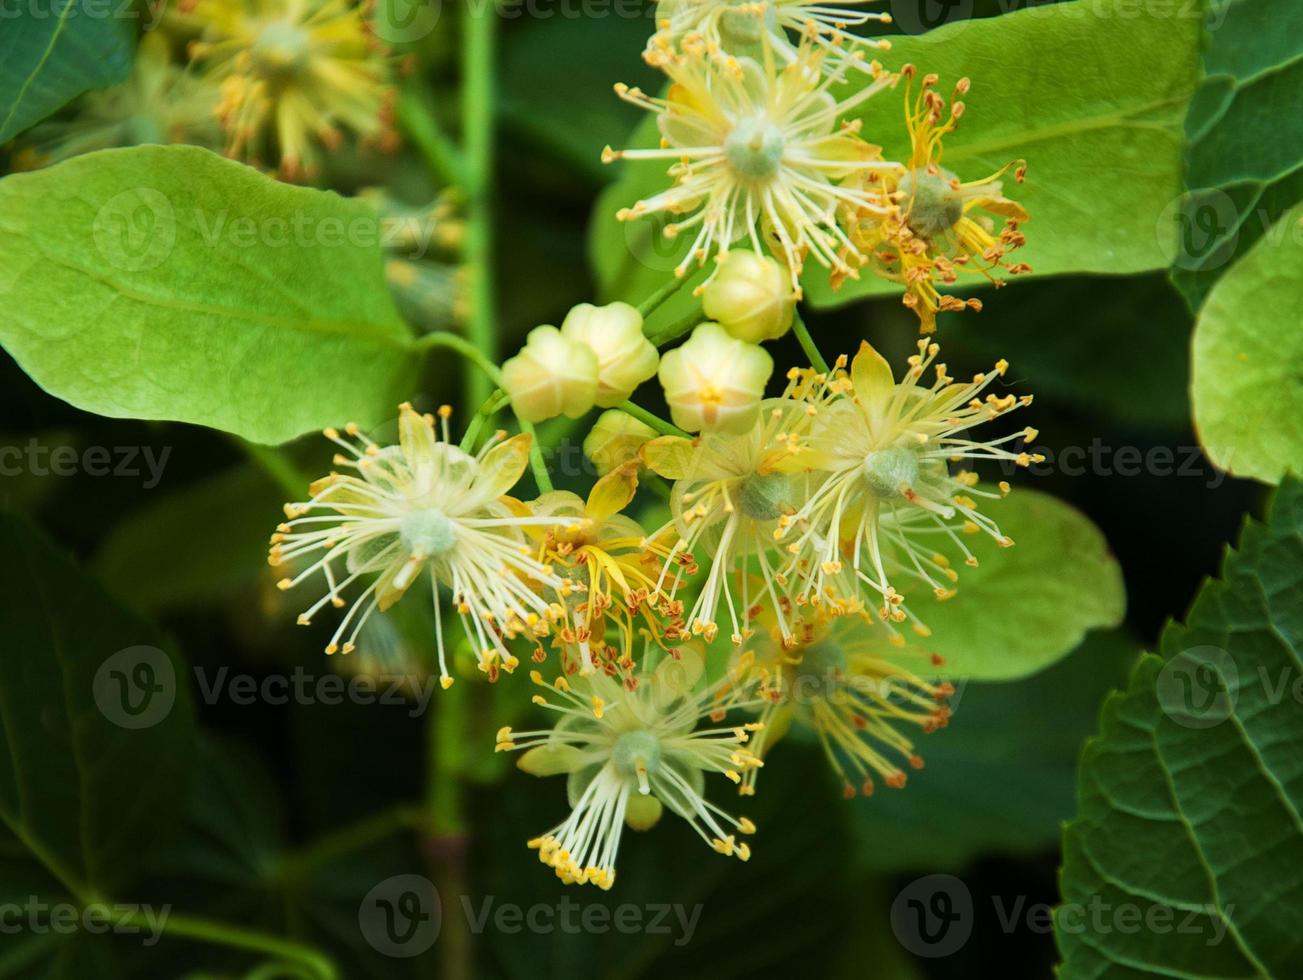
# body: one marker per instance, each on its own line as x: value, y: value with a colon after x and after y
x: 335, y: 845
x: 648, y: 306
x: 479, y: 30
x: 221, y: 934
x: 485, y: 412
x: 807, y: 344
x: 419, y: 122
x: 464, y: 347
x: 676, y: 329
x: 446, y: 843
x: 655, y: 421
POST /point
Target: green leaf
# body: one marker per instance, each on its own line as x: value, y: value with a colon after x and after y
x: 1247, y: 370
x: 1098, y: 120
x: 1001, y: 777
x: 169, y: 283
x: 96, y: 728
x: 1022, y: 608
x: 50, y: 53
x: 1189, y: 797
x: 1245, y: 138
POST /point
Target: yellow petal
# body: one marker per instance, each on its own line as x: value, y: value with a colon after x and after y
x: 871, y: 375
x: 503, y: 465
x: 667, y: 456
x: 612, y: 493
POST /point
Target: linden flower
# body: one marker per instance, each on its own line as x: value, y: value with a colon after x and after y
x: 889, y: 495
x: 729, y: 494
x: 608, y: 566
x: 631, y: 746
x: 840, y: 680
x: 159, y: 103
x: 293, y: 74
x: 715, y: 381
x: 758, y: 153
x: 424, y: 504
x: 935, y: 233
x: 741, y: 26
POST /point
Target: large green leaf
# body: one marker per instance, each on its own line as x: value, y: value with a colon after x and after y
x: 1246, y: 380
x: 1189, y: 798
x: 1022, y: 608
x: 167, y: 282
x: 1091, y: 93
x: 1001, y: 776
x: 1245, y: 152
x: 50, y: 53
x: 96, y: 726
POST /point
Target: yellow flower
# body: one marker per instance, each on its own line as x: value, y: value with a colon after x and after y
x: 423, y: 505
x: 849, y: 683
x: 741, y: 26
x: 615, y: 439
x: 936, y: 231
x: 294, y: 74
x: 761, y: 151
x: 625, y: 358
x: 714, y: 381
x: 608, y: 567
x: 629, y: 742
x: 889, y: 496
x: 730, y: 492
x: 750, y: 297
x: 552, y: 375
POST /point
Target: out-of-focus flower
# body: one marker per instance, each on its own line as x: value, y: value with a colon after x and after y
x: 937, y: 231
x: 625, y: 358
x: 714, y: 381
x: 294, y: 75
x: 848, y: 683
x: 423, y: 505
x: 552, y: 375
x: 890, y: 503
x: 159, y: 103
x: 760, y: 151
x: 630, y: 744
x: 750, y: 297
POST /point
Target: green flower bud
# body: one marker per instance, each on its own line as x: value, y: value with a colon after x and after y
x: 552, y: 375
x: 750, y: 297
x: 715, y: 382
x: 625, y: 358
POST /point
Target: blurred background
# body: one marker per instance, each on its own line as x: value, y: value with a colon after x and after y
x: 1108, y: 361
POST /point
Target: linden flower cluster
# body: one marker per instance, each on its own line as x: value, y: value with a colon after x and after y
x: 294, y: 77
x: 800, y: 523
x: 761, y: 129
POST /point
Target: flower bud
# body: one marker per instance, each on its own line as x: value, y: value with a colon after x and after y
x: 615, y: 439
x: 552, y: 375
x: 625, y: 358
x: 750, y: 297
x: 715, y: 382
